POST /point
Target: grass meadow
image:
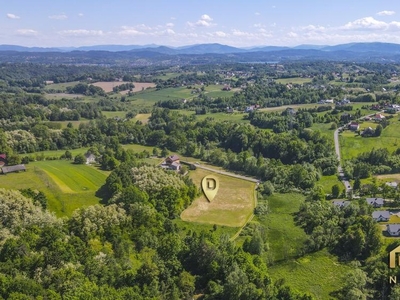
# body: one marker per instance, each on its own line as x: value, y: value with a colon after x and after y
x: 232, y: 206
x: 66, y: 186
x: 352, y: 145
x: 294, y: 80
x: 318, y: 273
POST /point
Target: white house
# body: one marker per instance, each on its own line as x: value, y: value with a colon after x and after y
x: 392, y: 184
x: 90, y: 158
x: 381, y: 215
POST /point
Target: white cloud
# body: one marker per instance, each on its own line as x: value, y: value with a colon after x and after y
x: 206, y: 18
x: 204, y: 21
x: 12, y: 16
x: 169, y: 31
x: 292, y: 34
x: 170, y: 25
x: 257, y: 13
x: 26, y: 32
x: 367, y: 23
x: 173, y: 18
x: 220, y: 34
x: 81, y: 32
x: 386, y: 13
x: 58, y: 17
x: 80, y: 15
x: 130, y: 31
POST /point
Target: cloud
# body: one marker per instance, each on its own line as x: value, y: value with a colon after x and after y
x: 26, y: 32
x: 368, y: 23
x: 129, y: 31
x: 80, y: 15
x: 220, y: 34
x: 58, y: 17
x: 204, y: 21
x: 170, y: 25
x: 257, y: 13
x: 81, y: 32
x: 386, y: 13
x: 12, y: 16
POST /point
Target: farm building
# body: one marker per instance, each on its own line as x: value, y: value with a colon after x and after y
x: 11, y: 169
x: 392, y: 184
x: 381, y: 215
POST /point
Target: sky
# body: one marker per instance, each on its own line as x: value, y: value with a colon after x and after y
x: 239, y: 23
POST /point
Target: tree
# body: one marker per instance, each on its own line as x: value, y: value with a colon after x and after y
x: 335, y: 191
x: 68, y: 155
x: 80, y: 159
x: 164, y: 152
x: 155, y: 151
x: 357, y: 184
x: 378, y: 130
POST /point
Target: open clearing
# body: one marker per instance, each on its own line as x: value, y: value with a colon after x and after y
x: 318, y: 273
x: 108, y: 86
x: 60, y: 86
x: 66, y: 190
x: 351, y: 145
x: 139, y: 86
x: 232, y: 206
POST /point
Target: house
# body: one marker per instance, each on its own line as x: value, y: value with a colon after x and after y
x: 329, y: 101
x: 392, y: 184
x: 375, y: 202
x: 176, y: 166
x: 353, y: 126
x: 90, y: 158
x: 3, y: 160
x: 11, y: 169
x: 341, y: 203
x: 393, y: 229
x: 172, y: 158
x: 226, y: 88
x: 379, y: 117
x: 381, y: 215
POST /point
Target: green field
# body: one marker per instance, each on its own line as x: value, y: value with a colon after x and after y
x: 148, y: 98
x: 328, y: 181
x: 232, y: 206
x: 285, y: 239
x: 294, y: 80
x: 351, y: 144
x: 66, y: 186
x: 318, y: 274
x: 236, y: 117
x: 113, y: 114
x: 60, y: 86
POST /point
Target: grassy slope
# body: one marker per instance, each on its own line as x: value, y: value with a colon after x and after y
x: 351, y: 145
x: 318, y: 274
x: 67, y: 186
x: 232, y: 206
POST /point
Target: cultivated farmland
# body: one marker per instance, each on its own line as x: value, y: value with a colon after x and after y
x: 232, y: 206
x: 66, y: 186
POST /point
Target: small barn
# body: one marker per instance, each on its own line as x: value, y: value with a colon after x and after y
x: 12, y: 169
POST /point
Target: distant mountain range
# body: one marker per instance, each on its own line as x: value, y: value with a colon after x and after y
x: 144, y: 55
x: 212, y: 48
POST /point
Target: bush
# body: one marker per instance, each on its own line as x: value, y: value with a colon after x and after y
x: 79, y: 159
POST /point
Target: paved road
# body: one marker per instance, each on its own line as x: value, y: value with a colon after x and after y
x: 224, y: 173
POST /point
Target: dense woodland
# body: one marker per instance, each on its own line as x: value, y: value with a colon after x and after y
x: 129, y: 246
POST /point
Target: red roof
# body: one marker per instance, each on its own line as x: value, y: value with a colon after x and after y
x: 3, y: 156
x: 173, y: 157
